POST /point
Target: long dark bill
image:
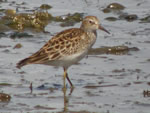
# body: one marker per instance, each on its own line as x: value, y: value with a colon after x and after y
x: 102, y: 28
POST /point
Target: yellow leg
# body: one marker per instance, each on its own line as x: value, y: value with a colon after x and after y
x: 64, y: 79
x: 65, y: 101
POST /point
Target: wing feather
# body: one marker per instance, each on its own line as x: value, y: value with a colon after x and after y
x: 64, y: 43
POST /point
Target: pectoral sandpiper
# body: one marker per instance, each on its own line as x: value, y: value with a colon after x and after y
x: 67, y: 47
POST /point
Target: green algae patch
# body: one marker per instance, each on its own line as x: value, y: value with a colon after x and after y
x: 69, y: 19
x: 45, y: 7
x: 22, y: 21
x: 145, y: 19
x: 36, y: 21
x: 113, y: 7
x: 17, y: 46
x: 128, y: 17
x: 116, y: 50
x: 20, y: 35
x: 111, y: 18
x: 10, y: 12
x: 43, y: 107
x: 5, y: 84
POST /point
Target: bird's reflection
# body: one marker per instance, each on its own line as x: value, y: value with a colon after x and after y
x: 66, y: 98
x: 66, y: 95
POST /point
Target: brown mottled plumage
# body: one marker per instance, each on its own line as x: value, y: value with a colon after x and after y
x: 67, y: 47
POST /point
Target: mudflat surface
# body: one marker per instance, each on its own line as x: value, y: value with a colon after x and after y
x: 104, y: 83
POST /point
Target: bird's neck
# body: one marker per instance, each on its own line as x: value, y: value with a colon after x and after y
x: 91, y: 32
x: 88, y: 30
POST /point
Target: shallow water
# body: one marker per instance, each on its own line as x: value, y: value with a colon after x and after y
x: 105, y: 83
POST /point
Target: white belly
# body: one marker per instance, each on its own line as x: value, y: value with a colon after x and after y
x: 67, y: 61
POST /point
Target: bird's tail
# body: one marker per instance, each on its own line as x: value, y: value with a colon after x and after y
x: 22, y: 63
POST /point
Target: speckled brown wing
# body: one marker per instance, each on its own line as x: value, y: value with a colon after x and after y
x: 63, y: 44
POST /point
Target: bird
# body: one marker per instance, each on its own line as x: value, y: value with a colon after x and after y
x: 67, y: 47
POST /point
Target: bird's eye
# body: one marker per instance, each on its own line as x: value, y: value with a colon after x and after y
x: 91, y: 22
